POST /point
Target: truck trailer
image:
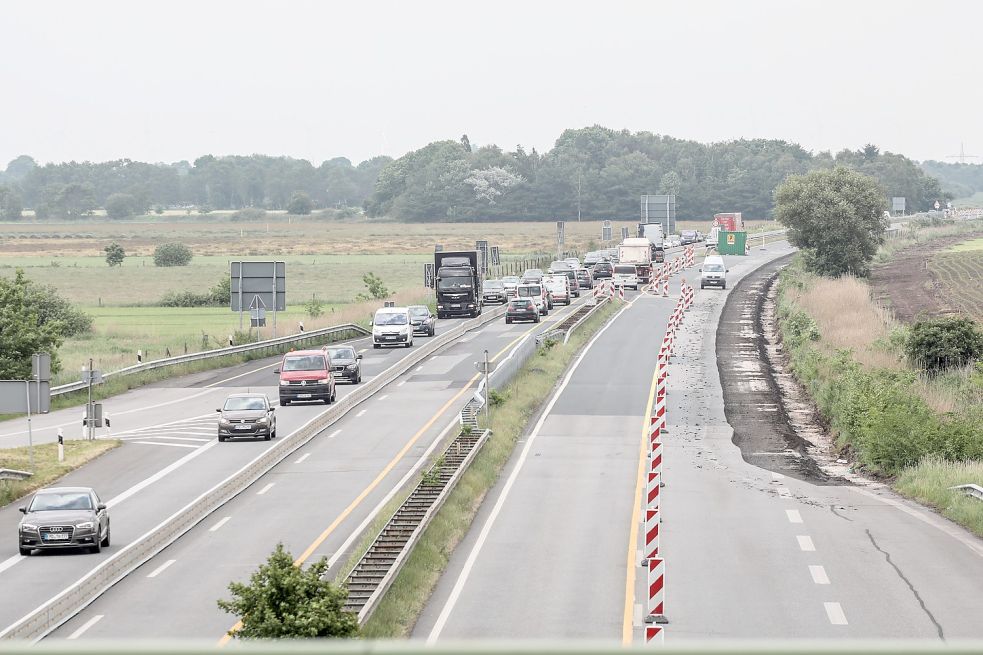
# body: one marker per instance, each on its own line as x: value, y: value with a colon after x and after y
x: 637, y: 251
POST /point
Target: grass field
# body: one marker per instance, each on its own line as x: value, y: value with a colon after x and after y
x: 968, y: 246
x: 46, y: 468
x: 961, y: 274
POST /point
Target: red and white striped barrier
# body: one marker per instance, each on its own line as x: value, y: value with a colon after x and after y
x: 651, y: 535
x: 665, y: 287
x: 655, y: 439
x: 621, y: 292
x: 655, y: 634
x: 657, y: 591
x: 652, y: 490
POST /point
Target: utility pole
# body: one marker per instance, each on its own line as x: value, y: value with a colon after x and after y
x: 88, y: 411
x: 579, y: 181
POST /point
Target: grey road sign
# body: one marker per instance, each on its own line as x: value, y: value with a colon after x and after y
x: 14, y: 396
x: 257, y: 317
x: 96, y: 419
x: 624, y: 233
x: 264, y: 280
x: 496, y: 257
x: 897, y: 204
x: 480, y: 366
x: 41, y: 366
x: 659, y: 209
x: 559, y: 233
x: 482, y: 247
x: 95, y: 377
x: 428, y: 276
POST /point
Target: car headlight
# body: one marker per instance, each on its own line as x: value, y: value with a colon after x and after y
x: 87, y: 525
x: 224, y: 423
x: 351, y: 367
x: 263, y: 421
x: 29, y: 527
x: 324, y: 381
x: 284, y: 383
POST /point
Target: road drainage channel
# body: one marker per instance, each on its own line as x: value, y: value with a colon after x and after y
x: 373, y: 574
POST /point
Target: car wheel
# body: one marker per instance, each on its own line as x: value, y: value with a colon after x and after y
x: 105, y: 541
x: 334, y: 394
x: 284, y: 402
x: 536, y: 319
x: 723, y: 286
x: 97, y: 548
x: 508, y: 320
x: 26, y: 552
x: 702, y: 286
x: 358, y: 380
x: 267, y: 436
x: 221, y: 438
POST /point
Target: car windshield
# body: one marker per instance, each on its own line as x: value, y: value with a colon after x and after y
x: 341, y: 353
x: 49, y: 502
x: 304, y: 363
x: 390, y: 319
x: 420, y: 311
x: 454, y: 282
x: 244, y: 403
x: 520, y: 303
x: 530, y: 291
x: 494, y: 285
x: 625, y: 270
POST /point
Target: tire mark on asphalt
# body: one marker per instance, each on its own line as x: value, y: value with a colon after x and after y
x: 887, y: 556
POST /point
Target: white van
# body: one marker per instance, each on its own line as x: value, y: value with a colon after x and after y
x: 558, y: 286
x: 625, y: 275
x: 713, y: 273
x: 538, y: 294
x: 391, y: 326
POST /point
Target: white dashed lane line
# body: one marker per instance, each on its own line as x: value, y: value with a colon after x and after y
x: 805, y: 543
x: 835, y: 614
x: 793, y: 516
x: 334, y: 434
x: 303, y: 457
x: 160, y: 569
x: 219, y: 524
x: 161, y: 443
x: 818, y: 574
x: 88, y: 624
x: 361, y: 413
x: 265, y: 489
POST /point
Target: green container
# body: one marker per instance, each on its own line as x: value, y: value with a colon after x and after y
x: 732, y: 243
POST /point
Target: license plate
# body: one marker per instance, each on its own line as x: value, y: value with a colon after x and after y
x: 57, y: 536
x: 455, y: 306
x: 303, y: 395
x: 249, y: 427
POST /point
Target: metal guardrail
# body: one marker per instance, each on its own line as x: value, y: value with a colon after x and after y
x: 268, y: 344
x: 973, y: 490
x: 41, y: 621
x: 12, y: 474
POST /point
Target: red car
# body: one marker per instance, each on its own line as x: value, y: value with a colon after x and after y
x: 306, y: 375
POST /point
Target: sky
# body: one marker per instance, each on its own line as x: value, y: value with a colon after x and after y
x: 166, y: 81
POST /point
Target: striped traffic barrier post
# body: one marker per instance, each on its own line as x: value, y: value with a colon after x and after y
x: 651, y: 535
x: 655, y: 634
x: 660, y: 415
x: 655, y: 438
x: 657, y: 591
x: 652, y: 494
x: 665, y: 287
x: 621, y: 292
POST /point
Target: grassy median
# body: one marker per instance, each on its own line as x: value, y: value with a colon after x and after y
x: 512, y: 410
x: 46, y: 468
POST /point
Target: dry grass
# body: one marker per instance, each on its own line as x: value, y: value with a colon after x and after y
x: 849, y: 319
x: 47, y: 468
x: 930, y: 483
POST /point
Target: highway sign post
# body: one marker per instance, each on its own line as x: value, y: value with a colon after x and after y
x: 428, y: 275
x: 559, y: 239
x: 898, y: 205
x: 482, y: 247
x: 257, y: 285
x: 624, y: 233
x: 486, y: 367
x: 606, y: 231
x: 659, y: 209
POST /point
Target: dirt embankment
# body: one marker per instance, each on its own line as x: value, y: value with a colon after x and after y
x: 906, y: 285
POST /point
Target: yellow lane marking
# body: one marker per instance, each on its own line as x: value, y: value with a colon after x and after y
x: 389, y: 467
x: 627, y: 630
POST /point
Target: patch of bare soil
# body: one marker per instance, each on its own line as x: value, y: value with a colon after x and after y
x: 906, y: 285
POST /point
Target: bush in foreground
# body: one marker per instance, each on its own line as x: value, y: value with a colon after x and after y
x: 284, y: 601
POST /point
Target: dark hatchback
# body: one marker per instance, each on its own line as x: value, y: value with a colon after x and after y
x: 602, y: 270
x: 521, y: 309
x: 422, y: 320
x: 346, y: 364
x: 246, y: 415
x: 63, y: 517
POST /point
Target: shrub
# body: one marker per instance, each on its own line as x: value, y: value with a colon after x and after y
x: 300, y: 203
x: 217, y: 296
x: 314, y: 307
x: 115, y: 254
x: 53, y: 308
x: 938, y: 344
x: 172, y: 254
x: 249, y: 214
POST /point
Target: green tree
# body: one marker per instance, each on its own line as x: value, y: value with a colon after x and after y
x: 10, y: 204
x: 172, y: 254
x: 54, y: 309
x: 377, y: 289
x: 115, y: 254
x: 285, y: 601
x: 75, y: 200
x: 121, y: 205
x: 938, y: 344
x: 314, y: 307
x: 22, y: 332
x: 835, y: 216
x: 300, y: 203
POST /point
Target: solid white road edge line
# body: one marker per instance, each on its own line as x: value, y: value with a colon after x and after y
x: 88, y: 624
x: 160, y: 569
x: 217, y: 526
x: 835, y: 614
x: 818, y: 574
x: 161, y: 443
x: 805, y: 543
x: 469, y: 563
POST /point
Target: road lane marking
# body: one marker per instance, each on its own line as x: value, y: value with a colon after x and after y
x: 157, y: 436
x: 304, y: 457
x: 88, y: 624
x: 793, y: 516
x: 265, y: 489
x: 161, y: 443
x: 160, y: 569
x: 218, y: 525
x: 227, y: 637
x: 334, y: 434
x: 835, y: 614
x: 383, y: 396
x: 361, y: 413
x: 784, y: 492
x: 509, y: 483
x: 10, y: 561
x: 420, y: 367
x: 401, y: 383
x: 818, y: 574
x: 805, y: 543
x: 140, y: 486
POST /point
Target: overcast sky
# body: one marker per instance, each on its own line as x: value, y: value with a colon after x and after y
x: 165, y: 81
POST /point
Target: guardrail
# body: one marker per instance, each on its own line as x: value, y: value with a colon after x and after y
x: 268, y: 344
x: 974, y: 490
x: 39, y: 622
x: 13, y: 474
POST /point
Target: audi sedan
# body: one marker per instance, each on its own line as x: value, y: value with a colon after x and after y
x: 63, y: 517
x: 246, y: 415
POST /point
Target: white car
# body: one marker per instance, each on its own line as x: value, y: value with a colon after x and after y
x: 558, y: 286
x: 713, y: 272
x: 625, y: 275
x: 392, y: 326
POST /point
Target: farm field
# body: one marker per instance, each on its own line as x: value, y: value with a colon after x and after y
x: 960, y: 275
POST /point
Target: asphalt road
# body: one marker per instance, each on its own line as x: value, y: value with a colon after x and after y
x: 547, y: 554
x: 313, y: 502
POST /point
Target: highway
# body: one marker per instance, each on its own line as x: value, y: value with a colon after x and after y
x: 750, y: 552
x: 314, y: 501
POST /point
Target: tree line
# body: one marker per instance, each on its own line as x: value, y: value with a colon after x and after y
x: 961, y: 180
x: 594, y: 172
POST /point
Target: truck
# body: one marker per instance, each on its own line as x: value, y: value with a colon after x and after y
x: 637, y: 251
x: 653, y: 232
x: 458, y: 283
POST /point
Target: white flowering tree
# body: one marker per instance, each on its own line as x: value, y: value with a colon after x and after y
x: 490, y: 183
